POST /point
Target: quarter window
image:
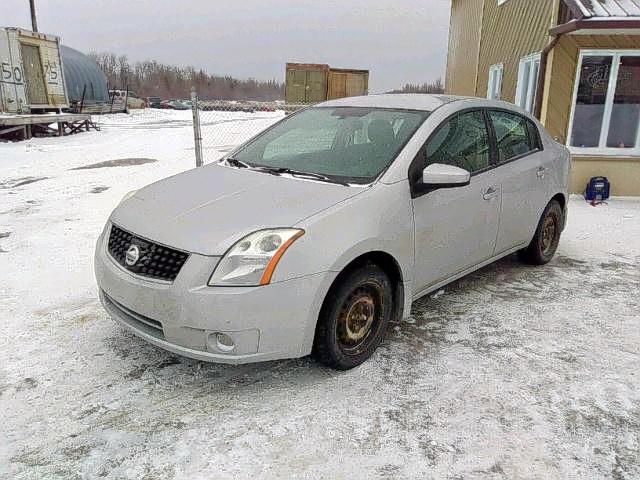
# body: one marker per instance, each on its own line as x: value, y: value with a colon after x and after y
x: 515, y: 135
x: 461, y: 141
x: 606, y: 110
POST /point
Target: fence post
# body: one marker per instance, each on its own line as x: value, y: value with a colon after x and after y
x: 197, y: 136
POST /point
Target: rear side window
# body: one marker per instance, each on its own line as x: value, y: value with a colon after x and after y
x: 462, y: 141
x: 515, y: 135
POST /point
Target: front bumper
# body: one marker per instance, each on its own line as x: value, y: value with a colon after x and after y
x: 265, y: 323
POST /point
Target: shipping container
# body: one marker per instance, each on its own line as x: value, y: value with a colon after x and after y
x: 313, y: 82
x: 31, y: 74
x: 347, y: 83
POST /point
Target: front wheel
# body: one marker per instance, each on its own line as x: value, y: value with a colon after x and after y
x: 354, y: 318
x: 545, y: 241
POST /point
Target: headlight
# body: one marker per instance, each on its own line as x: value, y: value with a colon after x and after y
x: 252, y: 260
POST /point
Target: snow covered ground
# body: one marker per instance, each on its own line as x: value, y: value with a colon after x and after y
x: 512, y: 372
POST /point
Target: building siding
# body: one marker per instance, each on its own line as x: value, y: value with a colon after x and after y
x: 623, y: 172
x: 464, y: 44
x: 511, y: 31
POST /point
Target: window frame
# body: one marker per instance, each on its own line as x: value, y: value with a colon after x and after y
x: 602, y: 149
x: 534, y: 136
x: 528, y: 92
x: 497, y: 68
x: 417, y: 188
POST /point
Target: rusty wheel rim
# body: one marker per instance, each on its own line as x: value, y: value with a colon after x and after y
x: 548, y: 234
x: 359, y: 318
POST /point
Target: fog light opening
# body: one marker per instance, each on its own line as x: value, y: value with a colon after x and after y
x: 224, y: 342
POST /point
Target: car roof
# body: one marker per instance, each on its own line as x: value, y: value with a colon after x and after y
x: 405, y: 101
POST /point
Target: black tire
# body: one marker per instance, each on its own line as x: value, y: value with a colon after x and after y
x: 545, y: 241
x: 354, y: 318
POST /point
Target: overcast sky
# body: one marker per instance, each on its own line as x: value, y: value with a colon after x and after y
x: 399, y: 41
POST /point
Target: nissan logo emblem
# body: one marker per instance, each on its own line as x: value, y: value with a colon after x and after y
x: 132, y: 256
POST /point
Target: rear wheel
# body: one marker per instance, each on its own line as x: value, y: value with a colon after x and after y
x: 354, y: 318
x: 545, y: 241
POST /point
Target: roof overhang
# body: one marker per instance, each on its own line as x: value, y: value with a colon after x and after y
x: 599, y: 26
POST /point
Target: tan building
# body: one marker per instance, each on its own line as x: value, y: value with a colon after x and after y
x: 574, y: 63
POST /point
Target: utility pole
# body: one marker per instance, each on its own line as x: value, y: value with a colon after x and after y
x: 34, y: 21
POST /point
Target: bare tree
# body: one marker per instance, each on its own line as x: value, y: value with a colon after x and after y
x: 151, y: 78
x: 427, y: 87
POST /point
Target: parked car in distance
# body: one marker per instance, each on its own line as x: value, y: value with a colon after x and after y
x: 133, y: 101
x: 153, y: 102
x: 178, y: 105
x: 316, y: 234
x: 174, y: 105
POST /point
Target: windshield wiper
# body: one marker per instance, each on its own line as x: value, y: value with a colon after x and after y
x: 299, y: 174
x: 234, y: 162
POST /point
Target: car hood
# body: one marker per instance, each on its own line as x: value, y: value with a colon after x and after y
x: 208, y: 209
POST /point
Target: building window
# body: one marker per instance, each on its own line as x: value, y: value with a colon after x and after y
x: 528, y: 81
x: 606, y: 107
x: 495, y: 82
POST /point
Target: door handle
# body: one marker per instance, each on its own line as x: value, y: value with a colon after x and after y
x: 489, y: 193
x: 541, y: 172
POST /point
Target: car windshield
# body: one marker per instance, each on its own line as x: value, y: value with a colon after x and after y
x: 345, y: 144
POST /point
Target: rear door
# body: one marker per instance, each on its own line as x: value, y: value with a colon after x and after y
x: 455, y: 228
x: 524, y: 177
x: 34, y: 75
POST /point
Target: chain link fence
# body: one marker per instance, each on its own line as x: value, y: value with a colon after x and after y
x: 222, y: 125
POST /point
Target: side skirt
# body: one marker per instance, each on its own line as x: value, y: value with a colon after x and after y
x: 463, y: 273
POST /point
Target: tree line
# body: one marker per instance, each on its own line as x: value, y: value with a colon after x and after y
x: 150, y: 78
x: 435, y: 87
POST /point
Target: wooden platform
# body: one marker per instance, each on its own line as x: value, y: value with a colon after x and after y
x: 28, y: 126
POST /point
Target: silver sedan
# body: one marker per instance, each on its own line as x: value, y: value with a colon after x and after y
x: 317, y: 233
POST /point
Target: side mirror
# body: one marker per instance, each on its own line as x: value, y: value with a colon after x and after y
x: 439, y: 175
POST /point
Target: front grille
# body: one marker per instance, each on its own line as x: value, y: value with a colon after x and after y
x: 148, y: 259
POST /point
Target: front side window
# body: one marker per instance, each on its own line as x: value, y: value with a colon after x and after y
x: 461, y: 141
x: 606, y: 111
x: 345, y: 143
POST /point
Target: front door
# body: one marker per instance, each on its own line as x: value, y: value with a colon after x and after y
x: 455, y: 228
x: 33, y: 75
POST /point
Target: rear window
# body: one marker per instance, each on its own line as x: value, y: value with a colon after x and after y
x: 515, y: 135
